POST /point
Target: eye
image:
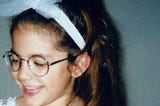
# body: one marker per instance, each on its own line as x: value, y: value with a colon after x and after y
x: 41, y: 64
x: 38, y: 61
x: 13, y: 59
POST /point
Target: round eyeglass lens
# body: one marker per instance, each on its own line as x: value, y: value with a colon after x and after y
x: 12, y: 61
x: 38, y: 65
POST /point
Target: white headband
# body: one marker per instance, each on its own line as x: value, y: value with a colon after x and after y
x: 46, y: 8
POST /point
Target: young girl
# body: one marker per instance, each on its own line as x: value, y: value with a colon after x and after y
x: 64, y: 53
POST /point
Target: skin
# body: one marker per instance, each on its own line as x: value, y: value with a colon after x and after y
x: 53, y: 89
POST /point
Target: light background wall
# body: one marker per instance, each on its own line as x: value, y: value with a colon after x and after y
x: 139, y: 25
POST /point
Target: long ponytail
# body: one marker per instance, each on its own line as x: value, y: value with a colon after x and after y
x: 106, y: 84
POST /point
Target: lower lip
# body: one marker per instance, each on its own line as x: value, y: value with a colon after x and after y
x: 31, y: 92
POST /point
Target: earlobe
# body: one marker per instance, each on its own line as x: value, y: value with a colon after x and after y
x: 80, y: 65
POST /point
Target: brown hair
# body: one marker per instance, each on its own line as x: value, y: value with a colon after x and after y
x: 101, y: 84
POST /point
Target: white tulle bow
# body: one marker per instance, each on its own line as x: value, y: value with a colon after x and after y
x: 48, y: 9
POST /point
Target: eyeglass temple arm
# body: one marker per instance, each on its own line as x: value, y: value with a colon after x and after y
x: 70, y: 57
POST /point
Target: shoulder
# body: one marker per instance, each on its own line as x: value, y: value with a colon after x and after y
x: 8, y: 102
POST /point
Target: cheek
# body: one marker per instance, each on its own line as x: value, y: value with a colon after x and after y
x: 58, y: 76
x: 14, y: 75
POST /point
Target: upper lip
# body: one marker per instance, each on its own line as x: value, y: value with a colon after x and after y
x: 30, y: 86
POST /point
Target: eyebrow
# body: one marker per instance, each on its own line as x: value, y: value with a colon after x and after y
x: 38, y: 54
x: 14, y: 52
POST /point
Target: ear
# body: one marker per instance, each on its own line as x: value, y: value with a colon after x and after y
x: 80, y: 65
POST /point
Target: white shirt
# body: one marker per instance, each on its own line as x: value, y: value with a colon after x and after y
x: 8, y: 102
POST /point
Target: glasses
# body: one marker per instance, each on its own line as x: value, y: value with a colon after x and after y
x: 37, y: 64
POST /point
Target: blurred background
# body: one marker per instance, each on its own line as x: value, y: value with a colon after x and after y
x: 139, y: 24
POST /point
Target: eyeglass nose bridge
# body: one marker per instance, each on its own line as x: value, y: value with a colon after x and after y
x: 20, y: 63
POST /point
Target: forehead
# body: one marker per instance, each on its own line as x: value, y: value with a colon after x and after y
x: 47, y: 35
x: 29, y: 39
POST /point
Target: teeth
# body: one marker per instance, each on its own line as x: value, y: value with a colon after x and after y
x: 31, y: 90
x: 32, y: 87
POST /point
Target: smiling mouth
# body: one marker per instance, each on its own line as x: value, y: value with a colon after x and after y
x: 31, y: 90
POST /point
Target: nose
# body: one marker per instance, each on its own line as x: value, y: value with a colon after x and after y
x: 24, y: 72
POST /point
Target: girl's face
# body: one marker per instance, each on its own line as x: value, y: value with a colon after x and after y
x: 53, y: 88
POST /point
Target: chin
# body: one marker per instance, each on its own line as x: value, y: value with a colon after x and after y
x: 32, y: 101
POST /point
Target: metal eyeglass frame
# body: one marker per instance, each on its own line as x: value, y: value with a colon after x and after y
x: 70, y: 58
